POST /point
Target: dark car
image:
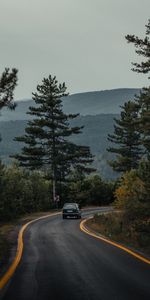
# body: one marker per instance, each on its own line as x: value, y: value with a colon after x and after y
x: 71, y: 210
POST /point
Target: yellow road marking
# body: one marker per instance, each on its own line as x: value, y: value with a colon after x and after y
x: 5, y: 278
x: 87, y: 231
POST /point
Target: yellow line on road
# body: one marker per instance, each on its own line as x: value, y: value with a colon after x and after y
x: 5, y: 278
x: 87, y: 231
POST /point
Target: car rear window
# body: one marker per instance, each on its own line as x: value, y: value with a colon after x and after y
x: 70, y: 206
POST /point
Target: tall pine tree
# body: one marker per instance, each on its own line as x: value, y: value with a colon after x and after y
x: 143, y: 49
x: 8, y: 82
x: 46, y: 139
x: 126, y: 138
x: 133, y: 128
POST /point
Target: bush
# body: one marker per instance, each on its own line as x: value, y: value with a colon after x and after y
x: 91, y: 190
x: 132, y: 197
x: 22, y: 192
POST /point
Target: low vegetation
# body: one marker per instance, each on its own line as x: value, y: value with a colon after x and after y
x: 131, y: 223
x: 4, y: 249
x: 117, y: 228
x: 23, y: 191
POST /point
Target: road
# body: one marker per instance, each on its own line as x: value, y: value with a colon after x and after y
x: 61, y: 262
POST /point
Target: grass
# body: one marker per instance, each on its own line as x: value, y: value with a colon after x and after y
x: 113, y: 226
x: 9, y: 234
x: 6, y: 243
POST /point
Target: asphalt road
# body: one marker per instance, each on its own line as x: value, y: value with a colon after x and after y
x: 61, y: 262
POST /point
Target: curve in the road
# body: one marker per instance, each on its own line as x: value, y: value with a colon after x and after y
x: 59, y: 261
x: 4, y: 280
x: 9, y: 273
x: 89, y: 232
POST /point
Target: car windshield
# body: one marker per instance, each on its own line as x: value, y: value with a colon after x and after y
x: 70, y: 206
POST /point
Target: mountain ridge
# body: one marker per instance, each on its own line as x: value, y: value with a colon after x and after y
x: 87, y: 103
x: 97, y: 111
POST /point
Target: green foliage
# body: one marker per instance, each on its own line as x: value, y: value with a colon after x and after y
x: 8, y: 81
x: 132, y: 197
x: 127, y: 139
x: 133, y: 128
x: 94, y: 135
x: 91, y: 190
x: 142, y: 47
x: 143, y: 125
x: 46, y: 143
x: 22, y: 192
x: 144, y: 174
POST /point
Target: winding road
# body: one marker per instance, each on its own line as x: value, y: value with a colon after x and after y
x: 61, y: 262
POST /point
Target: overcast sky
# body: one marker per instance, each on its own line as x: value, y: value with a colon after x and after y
x: 80, y: 41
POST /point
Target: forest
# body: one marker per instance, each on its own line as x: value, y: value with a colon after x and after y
x: 51, y: 163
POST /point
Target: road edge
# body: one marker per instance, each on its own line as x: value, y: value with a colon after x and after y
x: 104, y: 239
x: 9, y: 273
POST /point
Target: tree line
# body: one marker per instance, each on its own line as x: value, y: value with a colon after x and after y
x: 48, y: 157
x: 60, y: 167
x: 131, y: 148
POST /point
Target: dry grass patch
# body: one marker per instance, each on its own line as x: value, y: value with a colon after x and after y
x: 113, y: 226
x: 9, y: 235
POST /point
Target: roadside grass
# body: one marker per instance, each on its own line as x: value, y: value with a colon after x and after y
x: 9, y: 236
x: 5, y: 243
x: 112, y: 226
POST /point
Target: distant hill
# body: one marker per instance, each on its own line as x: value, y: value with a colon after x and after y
x: 102, y: 102
x: 96, y: 129
x: 90, y: 103
x: 97, y: 111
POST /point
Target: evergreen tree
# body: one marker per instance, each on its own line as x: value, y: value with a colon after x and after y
x: 126, y: 138
x: 143, y: 101
x: 143, y: 49
x: 8, y: 81
x: 46, y: 139
x: 133, y: 194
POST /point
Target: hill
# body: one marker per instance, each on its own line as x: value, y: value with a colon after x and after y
x: 96, y: 129
x: 100, y: 102
x: 90, y: 103
x: 97, y: 111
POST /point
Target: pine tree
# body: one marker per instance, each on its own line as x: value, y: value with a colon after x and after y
x: 126, y: 138
x: 8, y: 82
x: 46, y: 139
x: 143, y: 49
x: 143, y: 100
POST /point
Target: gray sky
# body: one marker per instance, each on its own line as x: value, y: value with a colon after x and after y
x: 80, y: 41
